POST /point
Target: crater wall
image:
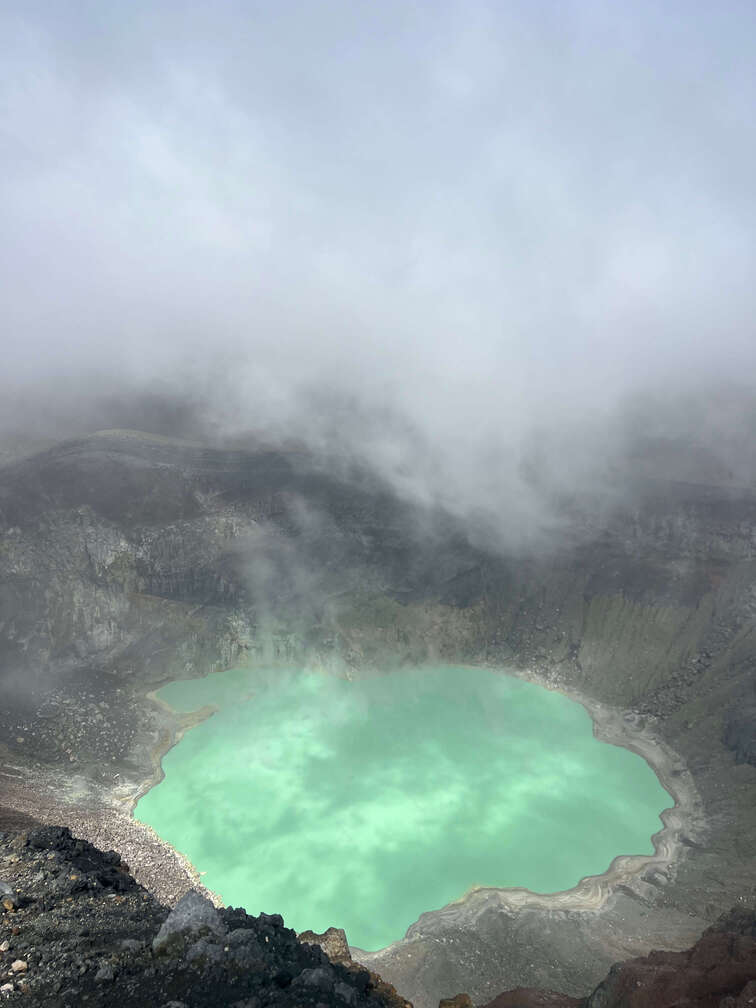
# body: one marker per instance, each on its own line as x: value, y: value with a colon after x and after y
x: 127, y: 560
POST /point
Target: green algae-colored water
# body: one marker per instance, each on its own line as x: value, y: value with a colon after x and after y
x: 362, y: 804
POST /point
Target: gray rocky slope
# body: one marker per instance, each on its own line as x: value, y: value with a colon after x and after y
x: 127, y: 560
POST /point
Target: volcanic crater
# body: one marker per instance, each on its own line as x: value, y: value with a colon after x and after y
x: 128, y: 561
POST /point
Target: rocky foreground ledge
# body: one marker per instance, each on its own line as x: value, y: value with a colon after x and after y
x: 77, y: 929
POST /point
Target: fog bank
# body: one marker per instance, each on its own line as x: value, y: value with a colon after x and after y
x: 499, y: 252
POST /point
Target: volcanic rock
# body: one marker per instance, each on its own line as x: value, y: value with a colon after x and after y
x: 719, y: 971
x: 720, y: 965
x: 333, y: 942
x: 193, y: 914
x: 101, y: 939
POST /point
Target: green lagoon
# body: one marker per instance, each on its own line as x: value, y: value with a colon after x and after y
x: 362, y: 804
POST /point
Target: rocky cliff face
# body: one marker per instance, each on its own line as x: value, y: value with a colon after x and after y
x: 128, y: 560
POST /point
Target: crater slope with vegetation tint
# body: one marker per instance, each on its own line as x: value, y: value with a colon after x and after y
x: 369, y: 802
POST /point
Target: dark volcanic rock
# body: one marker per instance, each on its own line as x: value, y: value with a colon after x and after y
x: 193, y: 915
x: 85, y: 933
x: 719, y: 971
x: 714, y: 972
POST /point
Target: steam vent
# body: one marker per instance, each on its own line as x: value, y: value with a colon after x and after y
x: 459, y: 756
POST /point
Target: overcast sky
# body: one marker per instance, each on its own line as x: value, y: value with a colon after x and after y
x: 483, y: 217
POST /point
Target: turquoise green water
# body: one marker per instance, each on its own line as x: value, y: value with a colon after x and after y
x: 363, y: 804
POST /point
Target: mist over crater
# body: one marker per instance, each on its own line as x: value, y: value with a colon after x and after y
x: 374, y: 337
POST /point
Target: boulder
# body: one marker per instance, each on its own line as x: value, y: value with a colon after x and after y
x: 321, y: 978
x: 333, y: 942
x: 193, y: 915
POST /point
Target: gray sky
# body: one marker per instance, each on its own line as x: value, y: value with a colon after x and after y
x: 483, y: 219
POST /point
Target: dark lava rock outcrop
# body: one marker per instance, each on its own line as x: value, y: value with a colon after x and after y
x: 77, y: 929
